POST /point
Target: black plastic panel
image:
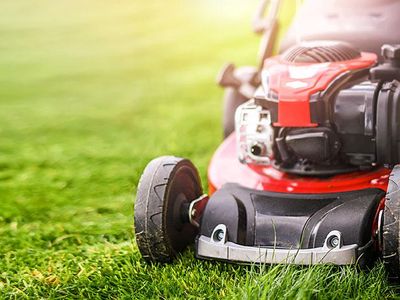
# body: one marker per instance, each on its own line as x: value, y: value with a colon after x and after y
x: 354, y: 116
x: 388, y: 124
x: 259, y: 218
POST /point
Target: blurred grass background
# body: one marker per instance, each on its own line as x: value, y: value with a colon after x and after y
x: 90, y: 91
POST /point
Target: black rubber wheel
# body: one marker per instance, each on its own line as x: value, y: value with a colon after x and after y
x: 390, y: 229
x: 232, y: 99
x: 162, y: 227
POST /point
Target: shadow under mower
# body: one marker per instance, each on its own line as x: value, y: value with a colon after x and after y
x: 310, y: 174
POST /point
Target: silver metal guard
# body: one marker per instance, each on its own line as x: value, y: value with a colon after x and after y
x: 253, y: 126
x: 217, y: 247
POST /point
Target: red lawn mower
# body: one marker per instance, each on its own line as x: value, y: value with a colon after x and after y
x: 308, y: 172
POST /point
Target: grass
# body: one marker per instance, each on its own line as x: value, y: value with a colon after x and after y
x: 90, y: 91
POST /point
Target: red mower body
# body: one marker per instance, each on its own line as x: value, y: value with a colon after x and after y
x: 226, y: 168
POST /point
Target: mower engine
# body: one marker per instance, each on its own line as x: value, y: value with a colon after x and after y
x: 323, y: 108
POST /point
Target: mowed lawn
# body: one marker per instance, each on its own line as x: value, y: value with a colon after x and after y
x: 90, y: 91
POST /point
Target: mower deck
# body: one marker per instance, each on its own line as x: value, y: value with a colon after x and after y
x: 259, y: 214
x: 226, y: 168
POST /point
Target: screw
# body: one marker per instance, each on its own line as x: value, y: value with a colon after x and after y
x: 219, y: 235
x: 334, y: 241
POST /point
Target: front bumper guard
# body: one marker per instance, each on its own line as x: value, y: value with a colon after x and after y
x: 333, y: 252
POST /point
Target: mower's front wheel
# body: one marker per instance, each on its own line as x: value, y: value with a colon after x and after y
x: 162, y: 227
x: 390, y: 229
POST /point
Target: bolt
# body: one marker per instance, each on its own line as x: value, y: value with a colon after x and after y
x: 219, y: 235
x: 334, y: 241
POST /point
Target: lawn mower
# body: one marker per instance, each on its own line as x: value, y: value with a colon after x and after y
x: 308, y: 172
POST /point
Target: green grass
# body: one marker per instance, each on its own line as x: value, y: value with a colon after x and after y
x: 90, y: 91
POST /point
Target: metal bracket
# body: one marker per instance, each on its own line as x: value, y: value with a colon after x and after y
x: 196, y: 208
x: 217, y: 246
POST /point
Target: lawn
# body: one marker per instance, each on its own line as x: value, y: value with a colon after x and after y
x: 90, y: 91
